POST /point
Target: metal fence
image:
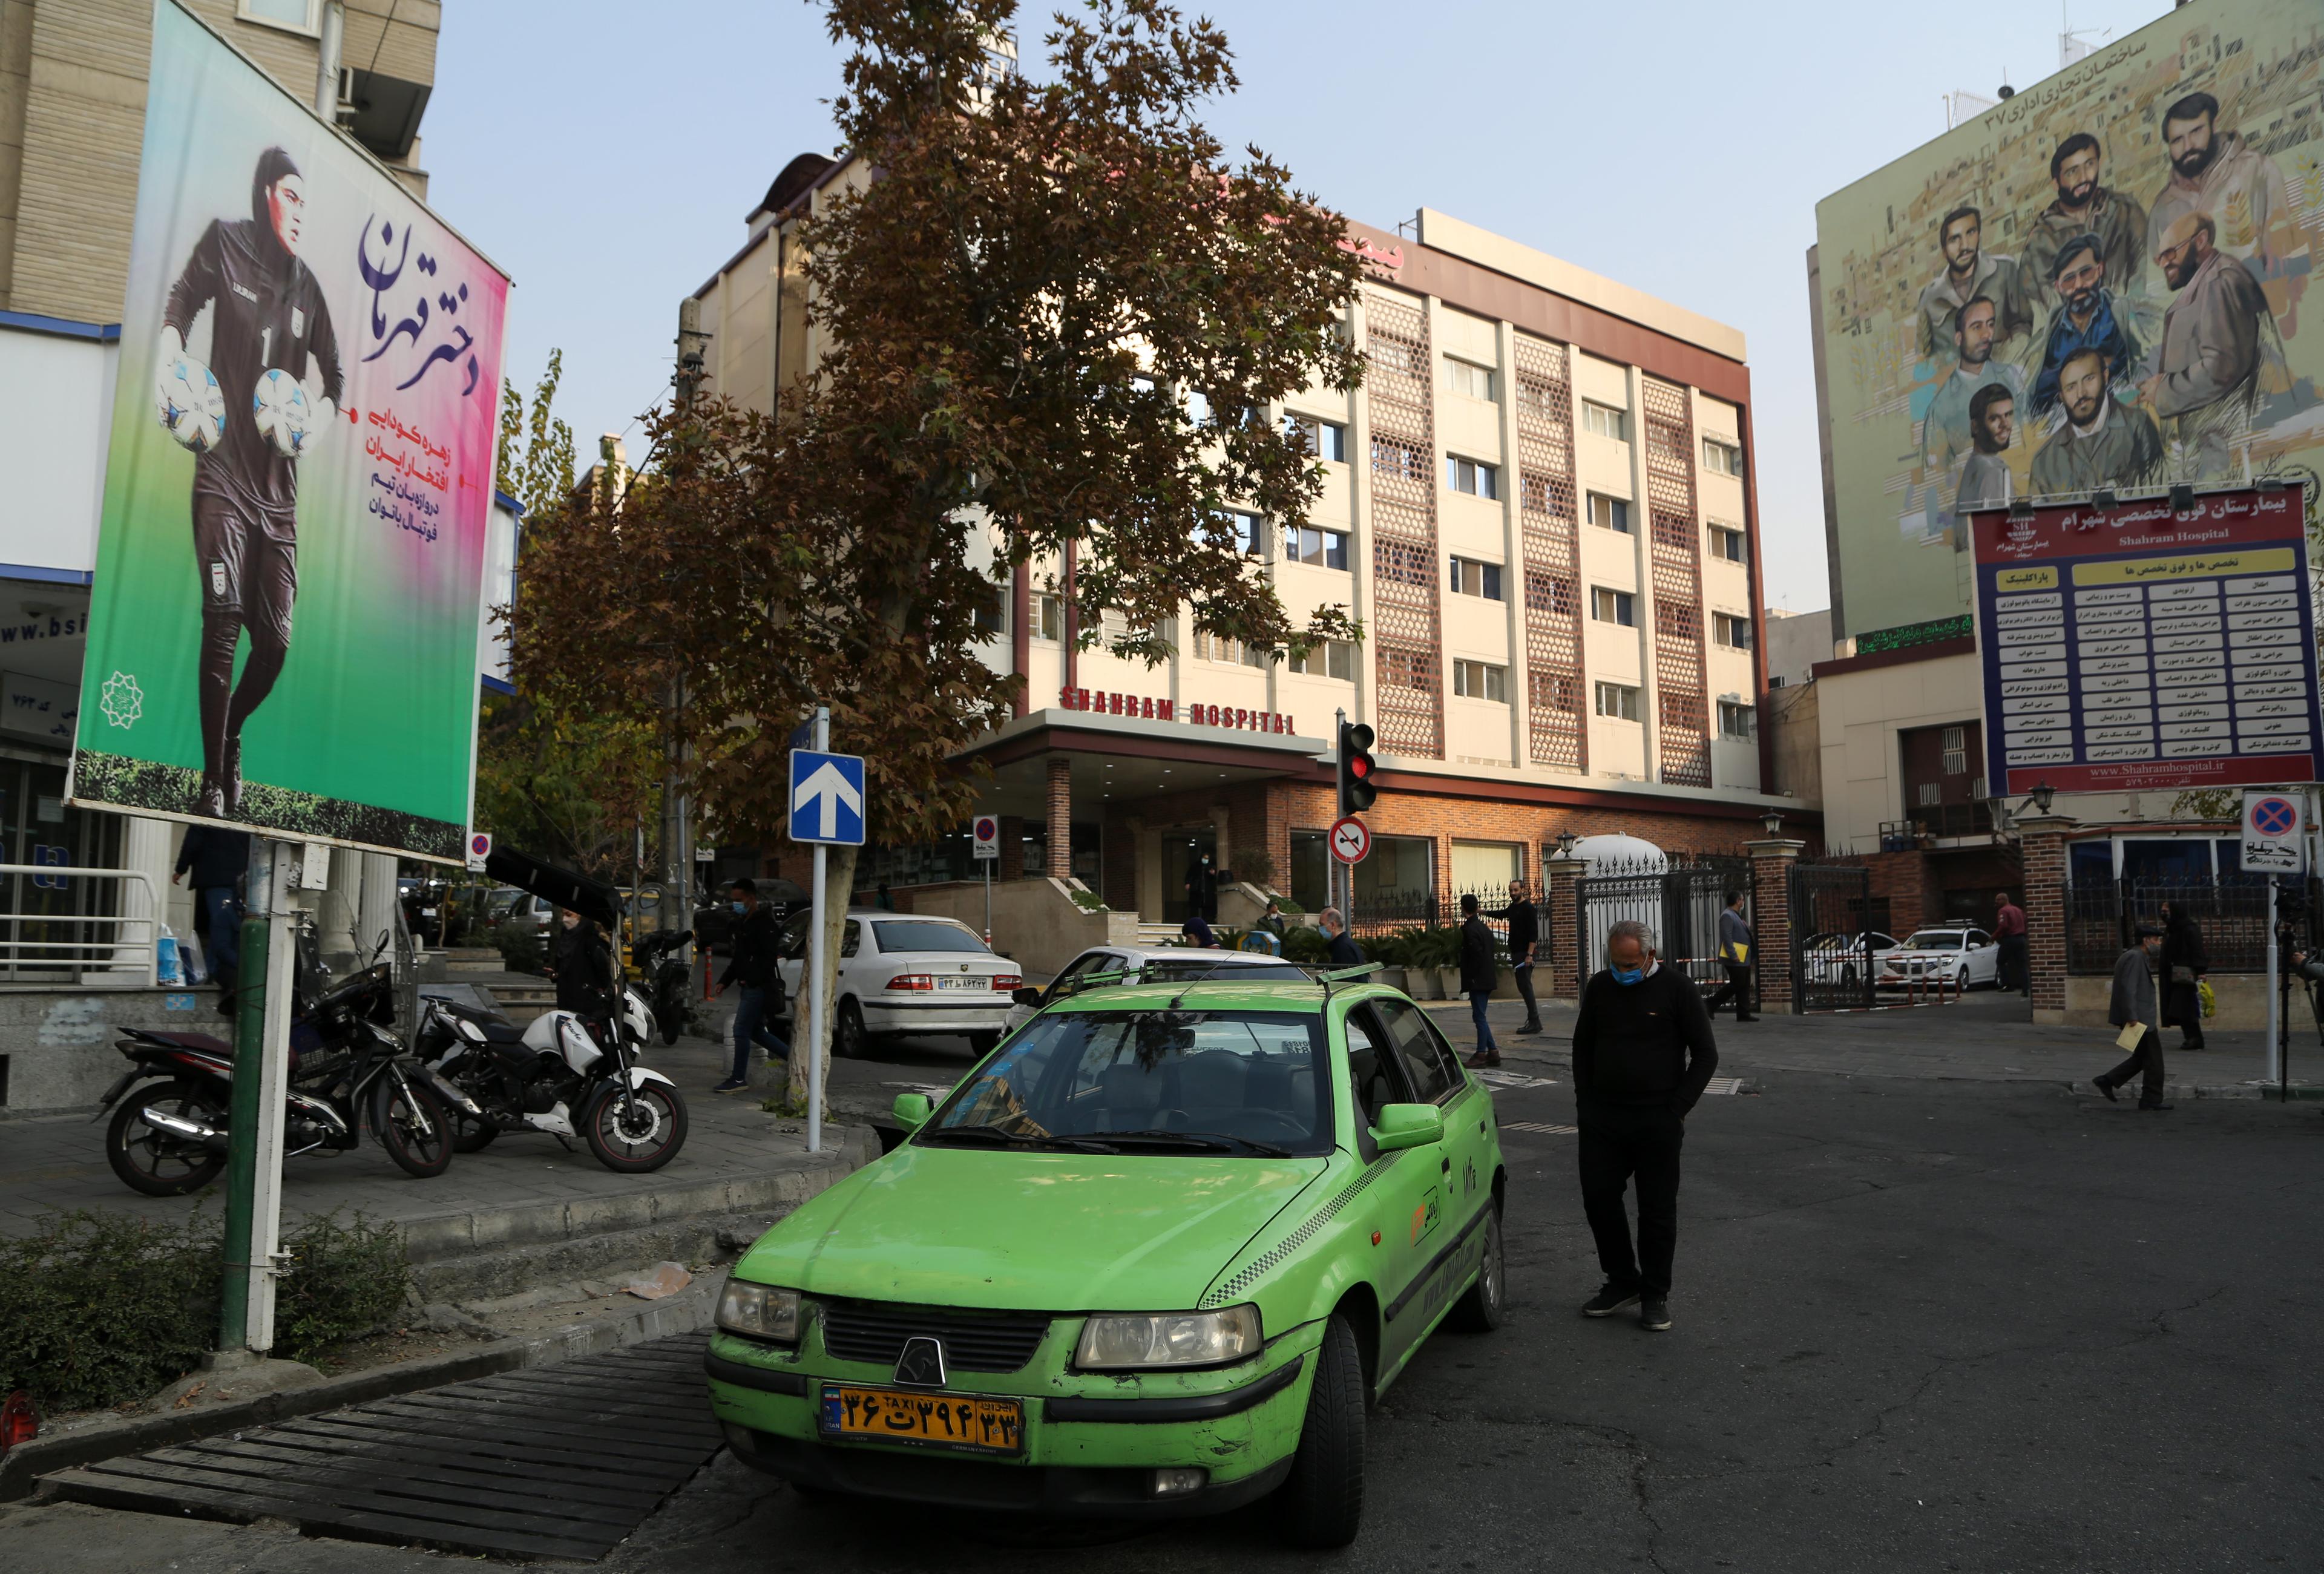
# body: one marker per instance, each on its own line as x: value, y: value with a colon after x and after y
x: 1377, y: 915
x: 1832, y: 916
x: 2230, y: 914
x: 1680, y: 902
x: 67, y: 924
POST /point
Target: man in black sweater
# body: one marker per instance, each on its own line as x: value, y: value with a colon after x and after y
x: 1525, y: 937
x: 1643, y: 1054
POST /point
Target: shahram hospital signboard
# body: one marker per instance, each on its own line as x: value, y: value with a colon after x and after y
x: 2140, y: 646
x: 298, y: 483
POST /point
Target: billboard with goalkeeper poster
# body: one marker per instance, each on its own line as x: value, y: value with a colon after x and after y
x: 299, y: 479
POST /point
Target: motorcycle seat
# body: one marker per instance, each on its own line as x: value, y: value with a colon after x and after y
x: 202, y: 1043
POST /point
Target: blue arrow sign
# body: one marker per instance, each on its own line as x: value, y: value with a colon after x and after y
x: 827, y: 798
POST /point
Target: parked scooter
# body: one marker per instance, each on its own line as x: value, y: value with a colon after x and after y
x: 568, y: 1074
x: 168, y: 1137
x: 665, y: 977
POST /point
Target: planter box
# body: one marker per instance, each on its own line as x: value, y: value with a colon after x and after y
x: 1393, y: 977
x: 1449, y: 979
x: 1422, y: 983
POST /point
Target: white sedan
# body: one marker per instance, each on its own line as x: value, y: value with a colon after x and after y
x: 909, y: 976
x: 1154, y: 964
x: 1963, y: 958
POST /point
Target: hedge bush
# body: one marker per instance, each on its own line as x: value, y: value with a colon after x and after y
x: 100, y: 1308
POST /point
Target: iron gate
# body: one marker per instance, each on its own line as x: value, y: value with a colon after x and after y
x: 1832, y: 945
x: 1680, y: 903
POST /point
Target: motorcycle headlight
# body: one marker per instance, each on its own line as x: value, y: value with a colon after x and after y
x: 1112, y: 1341
x: 759, y: 1311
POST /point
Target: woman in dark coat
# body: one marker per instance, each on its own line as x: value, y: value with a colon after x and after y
x: 2183, y: 963
x: 582, y: 965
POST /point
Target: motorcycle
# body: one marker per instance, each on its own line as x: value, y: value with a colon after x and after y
x: 168, y: 1138
x: 568, y: 1074
x: 657, y: 958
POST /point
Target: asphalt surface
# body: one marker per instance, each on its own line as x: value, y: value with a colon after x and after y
x: 1920, y: 1326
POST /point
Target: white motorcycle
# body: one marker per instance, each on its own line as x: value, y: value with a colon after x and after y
x: 565, y: 1074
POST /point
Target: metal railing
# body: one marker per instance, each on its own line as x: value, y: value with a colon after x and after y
x: 31, y: 951
x: 2230, y: 914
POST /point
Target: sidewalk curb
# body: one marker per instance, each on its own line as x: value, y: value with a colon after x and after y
x: 692, y: 1308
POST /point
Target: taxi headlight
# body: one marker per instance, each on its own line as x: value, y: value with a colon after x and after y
x: 1169, y: 1339
x: 759, y: 1311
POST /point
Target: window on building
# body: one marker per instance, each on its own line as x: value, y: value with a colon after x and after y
x: 1331, y: 658
x: 1471, y: 577
x: 1198, y: 407
x: 1725, y: 541
x: 1721, y: 458
x: 1543, y: 398
x: 1738, y: 721
x: 1048, y: 617
x: 1213, y: 648
x: 1315, y: 436
x: 1733, y: 632
x: 1414, y: 669
x: 1478, y: 680
x: 1250, y: 532
x: 1308, y: 544
x: 1609, y: 512
x: 991, y: 616
x: 1475, y: 479
x: 1399, y: 461
x: 1941, y: 758
x: 1956, y: 751
x: 1476, y: 381
x: 298, y: 15
x: 1618, y: 700
x: 1931, y: 794
x: 1605, y: 419
x: 1614, y: 606
x: 1487, y: 867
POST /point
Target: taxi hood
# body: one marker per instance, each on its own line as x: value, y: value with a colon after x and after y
x: 1036, y: 1231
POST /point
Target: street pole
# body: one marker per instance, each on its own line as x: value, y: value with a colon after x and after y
x: 327, y: 54
x: 2275, y: 1002
x: 817, y: 945
x: 1344, y: 875
x: 254, y: 1170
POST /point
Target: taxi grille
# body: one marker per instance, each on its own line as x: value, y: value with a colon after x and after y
x: 974, y: 1340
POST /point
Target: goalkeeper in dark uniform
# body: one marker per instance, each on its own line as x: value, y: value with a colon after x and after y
x: 266, y: 312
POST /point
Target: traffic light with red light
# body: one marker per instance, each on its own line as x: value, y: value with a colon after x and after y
x: 1358, y: 788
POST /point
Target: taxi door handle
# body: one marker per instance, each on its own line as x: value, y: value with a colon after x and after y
x: 1448, y: 1166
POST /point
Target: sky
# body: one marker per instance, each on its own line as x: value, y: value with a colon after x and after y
x: 608, y: 162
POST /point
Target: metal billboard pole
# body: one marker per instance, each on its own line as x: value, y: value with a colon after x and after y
x: 817, y: 945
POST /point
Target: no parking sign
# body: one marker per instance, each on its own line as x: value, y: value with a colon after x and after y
x: 2273, y: 842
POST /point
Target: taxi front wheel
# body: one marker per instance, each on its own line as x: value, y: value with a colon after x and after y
x: 1322, y: 1500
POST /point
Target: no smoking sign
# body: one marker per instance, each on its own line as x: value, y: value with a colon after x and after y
x: 1352, y: 841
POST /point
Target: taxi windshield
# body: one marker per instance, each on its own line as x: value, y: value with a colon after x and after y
x: 1243, y: 1082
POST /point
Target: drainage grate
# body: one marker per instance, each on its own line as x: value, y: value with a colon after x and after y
x: 1723, y: 1085
x: 1537, y: 1126
x: 560, y: 1461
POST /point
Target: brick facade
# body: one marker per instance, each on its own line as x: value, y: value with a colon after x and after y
x: 1061, y: 818
x: 1563, y: 876
x: 2041, y: 840
x: 1772, y: 862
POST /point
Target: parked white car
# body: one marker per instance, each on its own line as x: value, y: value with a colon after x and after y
x: 1965, y: 958
x: 1153, y: 964
x: 1835, y: 958
x: 910, y: 976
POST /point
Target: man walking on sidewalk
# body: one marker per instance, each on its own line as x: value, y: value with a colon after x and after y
x: 759, y: 986
x: 2137, y: 1004
x: 2009, y: 930
x: 1735, y: 956
x: 1477, y: 972
x: 218, y: 860
x: 1643, y: 1053
x: 1340, y: 947
x: 1525, y: 937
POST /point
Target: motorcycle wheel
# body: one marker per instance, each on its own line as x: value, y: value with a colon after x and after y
x: 414, y: 1127
x: 671, y: 1014
x: 634, y: 1135
x: 469, y: 1134
x: 154, y: 1161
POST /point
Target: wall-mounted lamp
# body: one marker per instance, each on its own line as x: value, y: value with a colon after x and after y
x: 2183, y: 499
x: 2043, y: 794
x: 2104, y: 497
x: 2021, y: 508
x: 1773, y: 821
x: 2270, y: 483
x: 1565, y: 845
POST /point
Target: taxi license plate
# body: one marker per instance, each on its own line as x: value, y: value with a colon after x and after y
x: 951, y: 1421
x: 966, y: 981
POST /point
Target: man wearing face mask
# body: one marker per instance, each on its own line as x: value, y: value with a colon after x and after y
x: 751, y: 968
x: 1643, y: 1054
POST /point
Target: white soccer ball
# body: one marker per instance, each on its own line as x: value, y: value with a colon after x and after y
x: 283, y: 414
x: 190, y: 404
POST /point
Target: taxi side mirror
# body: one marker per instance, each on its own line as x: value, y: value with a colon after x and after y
x: 1026, y: 996
x: 1403, y: 1126
x: 910, y: 1111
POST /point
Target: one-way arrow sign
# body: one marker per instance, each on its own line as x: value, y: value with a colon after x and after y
x: 827, y: 798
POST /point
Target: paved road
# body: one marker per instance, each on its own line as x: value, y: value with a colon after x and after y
x: 1920, y: 1326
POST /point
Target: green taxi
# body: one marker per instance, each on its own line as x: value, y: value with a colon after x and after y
x: 1154, y: 1256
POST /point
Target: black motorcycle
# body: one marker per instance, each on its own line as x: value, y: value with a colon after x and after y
x: 570, y: 1073
x: 665, y: 978
x: 169, y: 1136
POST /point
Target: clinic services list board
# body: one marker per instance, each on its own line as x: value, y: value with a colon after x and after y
x: 2139, y: 647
